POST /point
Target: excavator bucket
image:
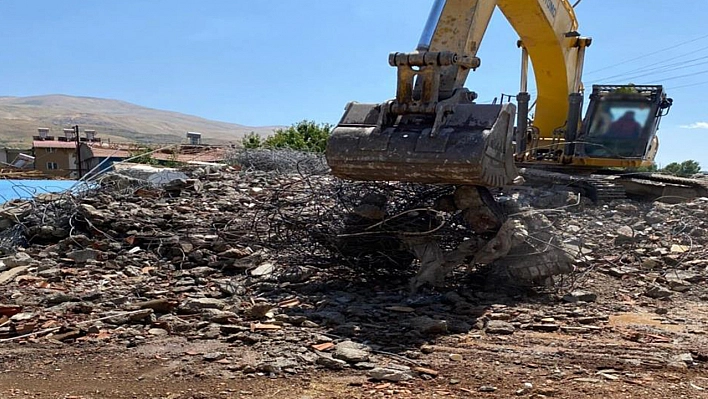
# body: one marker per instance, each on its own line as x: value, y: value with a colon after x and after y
x: 467, y: 144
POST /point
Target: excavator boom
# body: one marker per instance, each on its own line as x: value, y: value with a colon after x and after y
x: 433, y: 131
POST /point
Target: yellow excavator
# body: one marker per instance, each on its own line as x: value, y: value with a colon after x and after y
x: 433, y: 131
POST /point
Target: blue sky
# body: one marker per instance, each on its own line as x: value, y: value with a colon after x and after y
x: 277, y: 62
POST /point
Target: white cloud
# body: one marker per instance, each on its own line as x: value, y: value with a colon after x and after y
x: 696, y: 125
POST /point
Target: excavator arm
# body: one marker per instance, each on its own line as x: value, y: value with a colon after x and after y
x: 433, y: 131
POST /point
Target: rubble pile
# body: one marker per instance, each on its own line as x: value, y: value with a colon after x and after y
x: 264, y: 260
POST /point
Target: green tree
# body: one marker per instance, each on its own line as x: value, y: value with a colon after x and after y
x: 683, y: 169
x: 645, y: 169
x: 252, y: 141
x: 303, y: 136
x: 143, y: 156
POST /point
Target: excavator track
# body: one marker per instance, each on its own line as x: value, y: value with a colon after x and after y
x: 667, y: 188
x: 644, y: 186
x: 597, y: 188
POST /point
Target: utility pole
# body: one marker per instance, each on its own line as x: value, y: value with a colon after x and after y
x: 78, y: 149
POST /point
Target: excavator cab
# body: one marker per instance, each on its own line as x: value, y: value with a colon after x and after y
x: 621, y: 122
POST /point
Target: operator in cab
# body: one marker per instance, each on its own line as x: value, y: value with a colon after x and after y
x: 626, y: 126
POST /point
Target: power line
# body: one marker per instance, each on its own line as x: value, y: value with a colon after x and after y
x: 688, y: 85
x: 659, y: 65
x: 648, y: 54
x: 684, y: 76
x: 658, y: 71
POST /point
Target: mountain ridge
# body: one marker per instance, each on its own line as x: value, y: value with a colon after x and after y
x: 114, y: 120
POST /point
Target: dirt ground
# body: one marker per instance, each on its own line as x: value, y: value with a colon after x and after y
x: 527, y: 364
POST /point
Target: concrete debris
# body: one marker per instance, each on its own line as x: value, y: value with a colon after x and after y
x: 311, y: 275
x: 500, y: 327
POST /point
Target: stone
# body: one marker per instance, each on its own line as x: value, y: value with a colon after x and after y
x: 331, y: 363
x: 625, y: 234
x: 389, y: 374
x: 627, y: 209
x: 194, y: 305
x: 263, y: 270
x: 235, y: 253
x: 158, y: 331
x: 50, y: 274
x: 547, y: 327
x: 18, y: 259
x: 214, y: 356
x: 679, y: 249
x: 83, y: 255
x: 654, y: 217
x: 683, y: 357
x: 652, y: 263
x: 499, y: 327
x: 92, y: 212
x: 60, y: 297
x: 427, y: 325
x: 351, y: 352
x: 580, y: 296
x: 487, y: 388
x: 10, y: 275
x: 658, y: 292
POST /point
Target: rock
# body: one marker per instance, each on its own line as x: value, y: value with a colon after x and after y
x: 458, y: 327
x: 259, y: 310
x: 580, y: 296
x: 157, y: 331
x: 547, y: 327
x: 194, y: 305
x: 625, y: 234
x: 18, y: 259
x: 10, y: 275
x: 678, y: 285
x: 351, y: 352
x: 329, y: 362
x: 389, y: 374
x: 330, y: 317
x: 278, y: 365
x: 235, y: 253
x: 455, y: 357
x: 499, y: 327
x: 679, y: 249
x: 83, y: 255
x: 658, y: 292
x: 654, y: 217
x: 161, y: 305
x: 263, y: 270
x: 427, y: 325
x: 50, y: 274
x: 627, y: 209
x: 91, y: 212
x: 218, y: 316
x: 652, y: 263
x: 487, y: 388
x: 60, y: 297
x: 683, y: 357
x: 214, y: 356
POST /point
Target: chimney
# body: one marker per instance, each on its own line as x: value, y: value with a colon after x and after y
x: 43, y: 133
x: 69, y: 134
x: 194, y: 138
x: 90, y: 135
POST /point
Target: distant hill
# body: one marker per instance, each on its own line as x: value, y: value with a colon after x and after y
x: 112, y: 119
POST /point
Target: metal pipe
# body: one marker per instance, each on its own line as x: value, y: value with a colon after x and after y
x: 522, y: 122
x: 427, y: 37
x: 524, y: 70
x: 575, y: 101
x: 579, y: 69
